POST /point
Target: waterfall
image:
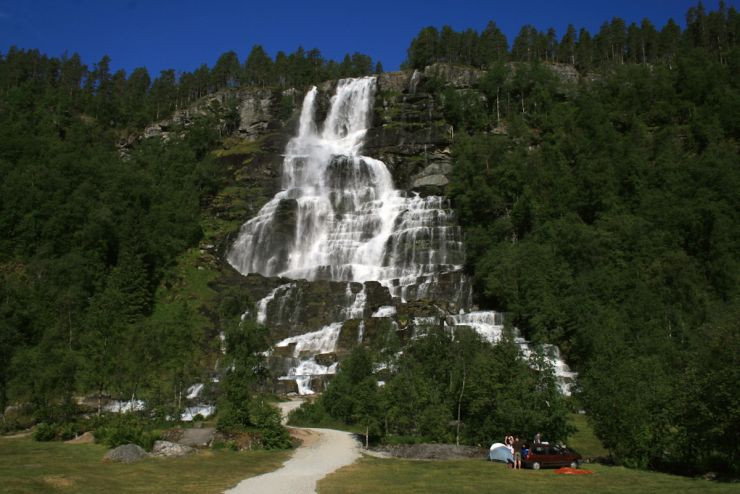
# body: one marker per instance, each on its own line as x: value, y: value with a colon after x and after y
x: 263, y: 303
x: 338, y: 216
x: 490, y: 325
x: 307, y: 346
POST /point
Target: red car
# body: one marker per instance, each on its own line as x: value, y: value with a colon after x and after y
x: 548, y: 455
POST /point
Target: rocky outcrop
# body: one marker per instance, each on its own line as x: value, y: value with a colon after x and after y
x: 249, y: 113
x: 433, y: 179
x: 383, y: 332
x: 457, y: 76
x: 376, y: 296
x: 197, y: 437
x: 302, y: 306
x: 181, y: 119
x: 166, y: 448
x: 128, y: 453
x: 409, y: 133
x: 394, y: 82
x: 566, y: 73
x: 257, y: 111
x: 326, y: 358
x: 350, y: 336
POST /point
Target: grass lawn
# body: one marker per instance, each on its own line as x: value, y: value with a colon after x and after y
x: 30, y: 466
x: 373, y: 475
x: 370, y: 475
x: 583, y: 439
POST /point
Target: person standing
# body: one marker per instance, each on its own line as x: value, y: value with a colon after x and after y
x: 517, y: 453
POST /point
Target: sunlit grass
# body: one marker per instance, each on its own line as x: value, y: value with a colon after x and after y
x: 373, y: 475
x: 383, y: 476
x: 189, y: 283
x: 27, y: 466
x: 583, y: 440
x: 232, y: 146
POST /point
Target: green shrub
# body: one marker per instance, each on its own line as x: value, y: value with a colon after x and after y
x: 267, y: 419
x: 126, y: 429
x: 69, y: 431
x: 147, y: 439
x: 310, y: 414
x: 45, y: 432
x: 228, y: 444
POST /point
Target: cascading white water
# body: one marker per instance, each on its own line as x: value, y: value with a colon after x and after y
x: 306, y: 347
x: 339, y: 216
x: 263, y: 303
x: 490, y: 325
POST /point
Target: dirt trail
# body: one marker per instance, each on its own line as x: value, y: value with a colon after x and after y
x: 322, y: 452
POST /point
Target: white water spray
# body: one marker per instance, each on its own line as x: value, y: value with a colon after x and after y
x: 339, y: 216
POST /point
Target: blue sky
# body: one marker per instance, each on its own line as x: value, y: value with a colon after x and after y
x: 182, y: 34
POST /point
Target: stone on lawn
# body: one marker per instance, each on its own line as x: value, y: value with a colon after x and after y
x: 128, y: 453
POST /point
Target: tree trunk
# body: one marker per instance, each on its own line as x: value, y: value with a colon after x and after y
x: 179, y: 395
x: 367, y: 436
x: 498, y: 112
x: 459, y: 407
x: 69, y: 320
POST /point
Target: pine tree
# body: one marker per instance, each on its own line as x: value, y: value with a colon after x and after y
x: 258, y: 67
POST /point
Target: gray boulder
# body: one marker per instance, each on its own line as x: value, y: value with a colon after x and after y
x: 128, y: 453
x: 197, y: 437
x: 167, y: 448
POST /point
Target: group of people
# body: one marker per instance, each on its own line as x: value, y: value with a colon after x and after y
x: 519, y: 449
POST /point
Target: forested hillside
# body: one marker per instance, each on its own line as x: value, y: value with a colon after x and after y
x: 89, y: 234
x: 604, y: 217
x: 600, y: 213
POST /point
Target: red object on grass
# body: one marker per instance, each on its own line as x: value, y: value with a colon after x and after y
x: 573, y: 471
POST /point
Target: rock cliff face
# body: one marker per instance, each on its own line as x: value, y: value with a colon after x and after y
x: 408, y: 131
x: 257, y: 110
x: 410, y: 135
x: 316, y: 323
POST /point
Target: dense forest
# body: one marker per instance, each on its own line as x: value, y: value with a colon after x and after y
x: 601, y: 216
x: 443, y: 389
x: 615, y: 43
x: 88, y: 235
x: 606, y: 220
x: 117, y: 100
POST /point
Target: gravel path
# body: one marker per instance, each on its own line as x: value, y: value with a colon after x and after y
x: 322, y: 452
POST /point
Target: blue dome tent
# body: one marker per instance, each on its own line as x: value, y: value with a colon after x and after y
x: 499, y: 452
